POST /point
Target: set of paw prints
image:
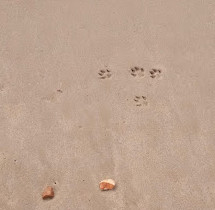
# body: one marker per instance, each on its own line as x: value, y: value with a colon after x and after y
x: 140, y: 101
x: 105, y: 74
x: 134, y: 71
x: 140, y: 72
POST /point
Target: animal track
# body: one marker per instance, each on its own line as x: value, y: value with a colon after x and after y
x: 104, y: 74
x: 137, y: 71
x: 155, y: 73
x: 140, y: 101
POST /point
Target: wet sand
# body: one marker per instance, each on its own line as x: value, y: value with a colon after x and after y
x: 67, y: 124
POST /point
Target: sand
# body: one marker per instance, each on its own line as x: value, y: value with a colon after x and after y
x: 62, y: 125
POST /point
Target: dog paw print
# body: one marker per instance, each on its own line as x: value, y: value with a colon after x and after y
x: 137, y: 71
x: 104, y: 74
x: 140, y: 100
x: 154, y: 73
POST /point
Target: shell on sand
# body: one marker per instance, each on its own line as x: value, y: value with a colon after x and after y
x: 107, y: 184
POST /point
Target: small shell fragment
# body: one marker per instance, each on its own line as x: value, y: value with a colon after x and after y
x: 48, y: 192
x: 107, y: 184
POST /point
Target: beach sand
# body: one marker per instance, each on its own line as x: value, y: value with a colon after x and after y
x: 66, y: 124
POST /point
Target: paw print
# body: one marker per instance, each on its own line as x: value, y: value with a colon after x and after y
x: 137, y: 71
x: 141, y: 100
x: 104, y: 74
x: 155, y: 73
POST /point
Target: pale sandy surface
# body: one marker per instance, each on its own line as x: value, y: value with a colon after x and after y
x: 162, y: 155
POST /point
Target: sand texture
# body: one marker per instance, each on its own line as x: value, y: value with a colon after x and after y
x: 107, y: 89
